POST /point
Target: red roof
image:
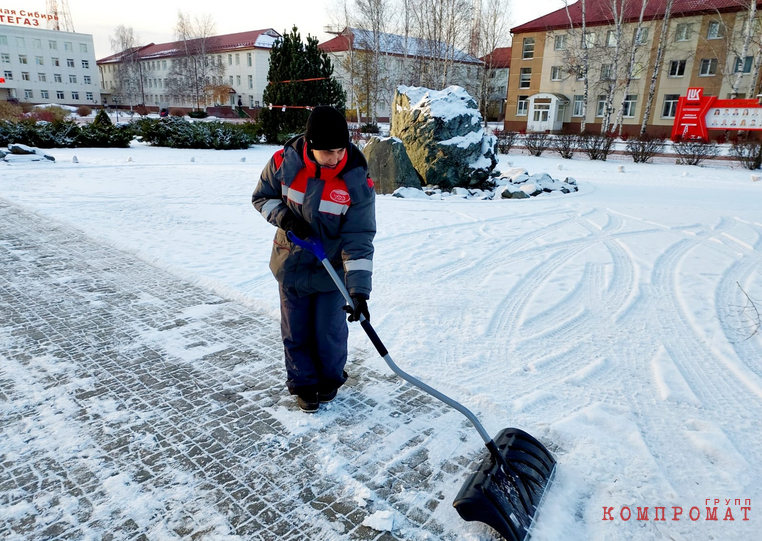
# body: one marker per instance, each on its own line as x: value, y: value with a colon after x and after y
x: 598, y: 12
x: 338, y: 44
x: 260, y: 39
x: 499, y: 58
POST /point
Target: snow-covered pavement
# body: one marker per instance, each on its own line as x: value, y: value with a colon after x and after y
x: 611, y: 324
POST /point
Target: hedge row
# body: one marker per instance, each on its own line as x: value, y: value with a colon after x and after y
x: 165, y: 132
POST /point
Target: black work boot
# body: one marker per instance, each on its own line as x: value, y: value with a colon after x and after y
x: 308, y: 402
x: 327, y: 396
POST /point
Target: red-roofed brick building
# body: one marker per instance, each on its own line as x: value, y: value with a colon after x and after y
x: 244, y: 57
x: 703, y: 43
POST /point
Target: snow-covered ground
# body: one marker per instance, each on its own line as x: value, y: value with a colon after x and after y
x: 610, y: 323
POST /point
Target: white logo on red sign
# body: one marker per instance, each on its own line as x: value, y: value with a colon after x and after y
x: 694, y: 94
x: 339, y: 196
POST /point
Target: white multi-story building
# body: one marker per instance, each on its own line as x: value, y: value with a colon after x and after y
x: 245, y: 57
x: 47, y: 66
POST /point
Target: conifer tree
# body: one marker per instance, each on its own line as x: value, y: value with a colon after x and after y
x: 292, y: 60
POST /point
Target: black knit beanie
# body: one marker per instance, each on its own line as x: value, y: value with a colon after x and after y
x: 327, y: 129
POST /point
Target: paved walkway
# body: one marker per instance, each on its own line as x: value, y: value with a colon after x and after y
x: 138, y: 406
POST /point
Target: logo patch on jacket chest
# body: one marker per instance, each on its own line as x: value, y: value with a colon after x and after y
x: 339, y: 196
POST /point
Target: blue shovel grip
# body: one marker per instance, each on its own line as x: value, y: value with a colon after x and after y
x: 310, y: 244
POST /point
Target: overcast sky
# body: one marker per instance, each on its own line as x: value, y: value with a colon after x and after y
x: 153, y: 20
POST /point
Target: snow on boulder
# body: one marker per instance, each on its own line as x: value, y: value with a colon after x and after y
x: 443, y: 135
x: 17, y: 148
x: 410, y: 193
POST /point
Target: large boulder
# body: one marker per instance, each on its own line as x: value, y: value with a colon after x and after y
x: 443, y: 135
x: 389, y: 165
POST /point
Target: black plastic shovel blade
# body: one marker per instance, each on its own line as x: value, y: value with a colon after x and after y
x: 508, y: 500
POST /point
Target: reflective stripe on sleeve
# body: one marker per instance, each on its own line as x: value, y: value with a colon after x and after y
x: 296, y: 196
x: 268, y: 207
x: 358, y: 265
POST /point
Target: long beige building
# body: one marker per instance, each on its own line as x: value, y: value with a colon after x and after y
x: 242, y: 61
x: 703, y: 48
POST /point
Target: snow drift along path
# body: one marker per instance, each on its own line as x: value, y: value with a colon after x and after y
x: 608, y: 323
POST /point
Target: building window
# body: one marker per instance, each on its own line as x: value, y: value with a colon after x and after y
x: 555, y: 73
x: 251, y: 99
x: 559, y: 43
x: 641, y: 36
x: 230, y: 60
x: 59, y: 94
x: 42, y: 77
x: 8, y: 75
x: 73, y: 79
x: 248, y: 59
x: 522, y: 106
x: 164, y: 64
x: 53, y: 45
x: 607, y: 72
x: 611, y: 39
x: 637, y: 70
x: 670, y: 105
x: 25, y: 76
x: 588, y: 40
x: 579, y: 105
x: 708, y: 67
x: 237, y: 59
x: 601, y: 106
x: 525, y: 77
x: 39, y: 60
x: 28, y: 94
x: 56, y: 62
x: 69, y: 62
x: 20, y: 43
x: 83, y: 47
x: 75, y: 95
x: 3, y: 40
x: 57, y: 77
x: 68, y: 46
x: 6, y: 58
x: 528, y: 49
x: 677, y: 68
x: 251, y: 81
x: 22, y: 59
x: 88, y: 80
x: 683, y: 31
x: 628, y: 106
x: 715, y: 30
x: 86, y: 64
x: 44, y: 94
x: 541, y: 112
x: 744, y: 65
x: 231, y: 80
x: 89, y: 96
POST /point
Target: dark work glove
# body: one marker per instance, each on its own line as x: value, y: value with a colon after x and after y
x: 291, y: 222
x: 360, y: 302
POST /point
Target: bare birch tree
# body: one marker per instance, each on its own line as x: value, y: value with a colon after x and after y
x: 129, y: 76
x: 492, y: 32
x: 190, y: 76
x: 663, y: 37
x: 638, y: 39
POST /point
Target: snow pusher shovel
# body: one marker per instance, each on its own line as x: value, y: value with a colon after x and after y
x: 507, y: 488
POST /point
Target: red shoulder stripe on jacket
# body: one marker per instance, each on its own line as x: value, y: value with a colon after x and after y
x: 278, y: 158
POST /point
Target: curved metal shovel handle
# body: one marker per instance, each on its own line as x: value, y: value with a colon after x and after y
x: 316, y: 248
